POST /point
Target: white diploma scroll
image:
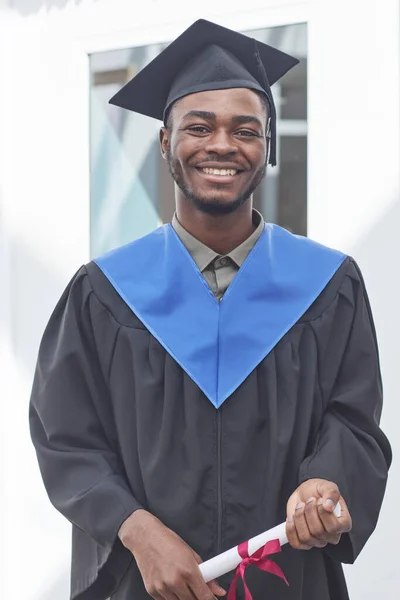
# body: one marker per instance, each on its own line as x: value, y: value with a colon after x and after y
x: 229, y: 560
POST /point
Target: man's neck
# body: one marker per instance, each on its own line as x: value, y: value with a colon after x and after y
x: 221, y: 233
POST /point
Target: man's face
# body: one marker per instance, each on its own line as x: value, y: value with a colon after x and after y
x: 216, y: 148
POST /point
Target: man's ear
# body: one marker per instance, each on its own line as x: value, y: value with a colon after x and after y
x: 164, y: 142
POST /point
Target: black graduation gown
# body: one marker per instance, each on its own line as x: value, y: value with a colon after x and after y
x: 118, y: 424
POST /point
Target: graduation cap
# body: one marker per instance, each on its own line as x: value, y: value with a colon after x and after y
x: 206, y: 57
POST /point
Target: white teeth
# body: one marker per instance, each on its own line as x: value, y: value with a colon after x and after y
x: 219, y: 171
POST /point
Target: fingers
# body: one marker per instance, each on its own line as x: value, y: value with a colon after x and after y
x: 200, y: 590
x: 164, y: 592
x: 170, y: 590
x: 312, y: 526
x: 311, y: 521
x: 216, y: 589
x: 184, y: 590
x: 214, y: 586
x: 181, y: 585
x: 306, y: 525
x: 292, y: 536
x: 329, y: 493
x: 329, y: 531
x: 168, y: 596
x: 197, y: 557
x: 335, y: 525
x: 291, y: 505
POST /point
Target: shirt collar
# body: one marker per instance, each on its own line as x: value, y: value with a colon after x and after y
x: 240, y: 253
x: 203, y: 255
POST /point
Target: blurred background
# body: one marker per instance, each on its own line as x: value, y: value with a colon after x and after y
x: 79, y: 177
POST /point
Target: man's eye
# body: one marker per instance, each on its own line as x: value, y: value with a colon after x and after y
x: 198, y: 129
x: 247, y: 133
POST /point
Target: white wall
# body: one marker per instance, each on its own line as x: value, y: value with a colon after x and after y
x: 354, y: 204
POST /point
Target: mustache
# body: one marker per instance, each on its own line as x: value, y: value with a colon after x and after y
x: 218, y: 159
x: 213, y: 206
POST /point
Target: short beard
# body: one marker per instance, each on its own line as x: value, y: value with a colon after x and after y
x: 213, y: 206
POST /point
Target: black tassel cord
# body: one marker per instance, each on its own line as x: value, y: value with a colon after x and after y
x: 272, y: 116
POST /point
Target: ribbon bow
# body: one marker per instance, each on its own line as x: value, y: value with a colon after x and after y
x: 261, y: 560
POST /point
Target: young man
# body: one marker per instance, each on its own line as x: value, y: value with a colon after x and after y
x: 218, y: 376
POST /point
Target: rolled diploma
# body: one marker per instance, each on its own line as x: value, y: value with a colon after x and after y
x: 229, y: 560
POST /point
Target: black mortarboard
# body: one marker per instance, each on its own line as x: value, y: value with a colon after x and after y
x: 205, y: 57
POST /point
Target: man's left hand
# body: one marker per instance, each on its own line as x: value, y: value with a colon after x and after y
x: 310, y: 519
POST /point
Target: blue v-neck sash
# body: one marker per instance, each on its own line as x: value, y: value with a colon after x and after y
x: 219, y: 344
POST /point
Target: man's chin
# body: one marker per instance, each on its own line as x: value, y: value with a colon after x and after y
x: 216, y: 206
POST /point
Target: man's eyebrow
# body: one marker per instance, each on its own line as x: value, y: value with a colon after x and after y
x: 199, y: 114
x: 239, y: 119
x: 243, y: 119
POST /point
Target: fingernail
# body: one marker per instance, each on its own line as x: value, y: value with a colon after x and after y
x: 310, y: 500
x: 289, y: 520
x: 330, y: 503
x: 299, y: 506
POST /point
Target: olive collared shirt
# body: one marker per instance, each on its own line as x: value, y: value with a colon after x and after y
x: 219, y: 270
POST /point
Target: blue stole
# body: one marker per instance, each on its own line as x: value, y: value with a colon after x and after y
x: 219, y: 344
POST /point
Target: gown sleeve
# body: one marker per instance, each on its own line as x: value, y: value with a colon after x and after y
x: 71, y: 421
x: 350, y: 448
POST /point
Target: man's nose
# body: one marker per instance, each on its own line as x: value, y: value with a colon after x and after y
x: 221, y: 142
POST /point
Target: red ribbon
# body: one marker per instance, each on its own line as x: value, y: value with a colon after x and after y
x: 261, y: 560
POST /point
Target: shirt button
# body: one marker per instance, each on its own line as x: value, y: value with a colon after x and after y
x: 224, y: 262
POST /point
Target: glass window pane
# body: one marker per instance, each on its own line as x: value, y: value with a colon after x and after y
x: 131, y: 189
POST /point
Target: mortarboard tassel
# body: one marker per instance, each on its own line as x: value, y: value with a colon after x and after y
x: 272, y: 121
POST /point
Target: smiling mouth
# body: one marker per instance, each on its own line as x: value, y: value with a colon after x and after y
x: 219, y: 172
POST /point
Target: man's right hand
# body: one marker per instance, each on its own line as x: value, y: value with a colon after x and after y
x: 169, y: 567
